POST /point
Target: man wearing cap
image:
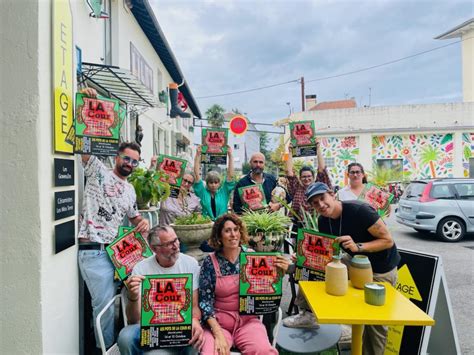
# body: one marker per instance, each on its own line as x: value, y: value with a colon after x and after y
x: 359, y: 230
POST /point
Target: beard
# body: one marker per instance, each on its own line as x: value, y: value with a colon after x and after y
x: 257, y: 170
x: 123, y: 170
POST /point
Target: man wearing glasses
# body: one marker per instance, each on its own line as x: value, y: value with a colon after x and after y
x: 167, y: 260
x: 108, y: 198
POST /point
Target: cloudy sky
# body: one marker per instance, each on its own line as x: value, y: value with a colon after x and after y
x: 225, y: 46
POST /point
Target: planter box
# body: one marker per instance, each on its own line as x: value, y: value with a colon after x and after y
x: 192, y: 236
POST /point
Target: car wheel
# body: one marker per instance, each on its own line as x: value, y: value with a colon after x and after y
x: 451, y: 229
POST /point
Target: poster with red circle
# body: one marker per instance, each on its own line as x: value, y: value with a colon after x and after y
x: 238, y: 125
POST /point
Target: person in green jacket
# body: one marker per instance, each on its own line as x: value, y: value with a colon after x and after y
x: 215, y: 195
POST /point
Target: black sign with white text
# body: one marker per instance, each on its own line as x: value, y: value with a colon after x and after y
x: 63, y: 172
x: 64, y: 234
x: 64, y: 203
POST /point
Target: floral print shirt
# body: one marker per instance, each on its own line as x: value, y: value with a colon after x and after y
x: 207, y: 282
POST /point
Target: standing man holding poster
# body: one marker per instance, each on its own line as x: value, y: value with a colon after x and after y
x: 167, y: 260
x: 108, y: 198
x: 256, y: 176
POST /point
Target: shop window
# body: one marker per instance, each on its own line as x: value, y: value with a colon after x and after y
x: 140, y: 68
x: 471, y: 167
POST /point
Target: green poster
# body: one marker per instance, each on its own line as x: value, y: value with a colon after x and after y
x: 127, y: 250
x: 303, y: 138
x: 97, y: 123
x: 314, y: 250
x: 377, y: 198
x: 173, y: 168
x: 260, y: 283
x: 253, y: 197
x: 214, y: 145
x: 167, y: 311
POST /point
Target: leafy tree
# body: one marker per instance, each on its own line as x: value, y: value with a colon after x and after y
x: 215, y: 115
x: 276, y: 156
x: 265, y: 145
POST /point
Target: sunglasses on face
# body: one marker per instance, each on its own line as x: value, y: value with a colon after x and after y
x: 188, y: 181
x: 355, y: 172
x: 128, y: 160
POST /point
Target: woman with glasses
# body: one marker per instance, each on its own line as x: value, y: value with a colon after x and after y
x: 219, y: 294
x: 357, y: 179
x: 184, y: 204
x: 215, y: 195
x: 297, y: 186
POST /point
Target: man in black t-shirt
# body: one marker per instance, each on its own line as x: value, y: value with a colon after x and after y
x: 359, y: 230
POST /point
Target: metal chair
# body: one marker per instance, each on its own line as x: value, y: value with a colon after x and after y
x: 113, y: 350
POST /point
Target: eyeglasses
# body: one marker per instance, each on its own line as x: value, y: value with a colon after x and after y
x: 188, y: 181
x: 168, y: 244
x: 355, y: 172
x: 128, y: 160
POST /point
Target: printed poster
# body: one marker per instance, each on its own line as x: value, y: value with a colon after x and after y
x: 174, y: 169
x: 252, y: 197
x: 214, y: 145
x: 303, y: 138
x: 96, y: 125
x: 260, y: 283
x: 127, y: 250
x: 166, y: 316
x: 314, y: 250
x: 377, y: 198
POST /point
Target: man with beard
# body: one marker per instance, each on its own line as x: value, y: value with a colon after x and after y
x: 256, y: 176
x: 108, y: 197
x: 167, y: 260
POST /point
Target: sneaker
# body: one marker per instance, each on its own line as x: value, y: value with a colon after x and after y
x: 304, y: 319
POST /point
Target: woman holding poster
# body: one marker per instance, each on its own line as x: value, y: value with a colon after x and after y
x: 219, y: 294
x: 215, y: 195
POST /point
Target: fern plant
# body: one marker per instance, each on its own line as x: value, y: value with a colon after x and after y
x: 193, y: 218
x: 265, y: 222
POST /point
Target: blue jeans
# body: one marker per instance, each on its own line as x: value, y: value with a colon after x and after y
x: 98, y: 274
x: 129, y: 344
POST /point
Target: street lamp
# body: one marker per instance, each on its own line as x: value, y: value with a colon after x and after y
x: 289, y: 107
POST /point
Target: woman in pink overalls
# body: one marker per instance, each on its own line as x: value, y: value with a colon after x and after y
x: 219, y: 294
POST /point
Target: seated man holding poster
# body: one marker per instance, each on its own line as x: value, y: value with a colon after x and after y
x: 359, y: 230
x: 167, y: 260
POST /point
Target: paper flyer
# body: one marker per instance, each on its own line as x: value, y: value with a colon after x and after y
x: 314, y: 250
x: 303, y: 138
x: 214, y: 145
x: 166, y: 315
x: 253, y: 197
x: 260, y: 287
x: 174, y: 169
x: 127, y: 250
x: 97, y: 123
x: 378, y: 199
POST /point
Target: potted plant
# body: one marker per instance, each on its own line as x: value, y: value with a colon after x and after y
x: 266, y: 229
x: 149, y: 187
x: 192, y: 230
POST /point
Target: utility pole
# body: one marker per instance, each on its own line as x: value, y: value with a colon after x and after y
x: 302, y: 93
x: 370, y: 96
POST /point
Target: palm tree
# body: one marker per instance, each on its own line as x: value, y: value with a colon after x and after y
x: 215, y: 115
x: 346, y: 156
x: 429, y: 155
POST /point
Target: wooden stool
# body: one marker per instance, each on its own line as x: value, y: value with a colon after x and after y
x: 308, y: 341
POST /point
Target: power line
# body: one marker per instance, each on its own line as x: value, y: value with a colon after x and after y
x: 332, y: 76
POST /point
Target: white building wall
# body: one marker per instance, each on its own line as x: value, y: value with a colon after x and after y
x: 468, y: 66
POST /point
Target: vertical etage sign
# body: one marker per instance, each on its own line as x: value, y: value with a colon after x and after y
x: 62, y: 76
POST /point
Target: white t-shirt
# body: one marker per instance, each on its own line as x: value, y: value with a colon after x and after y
x: 345, y: 194
x: 107, y: 199
x: 184, y: 265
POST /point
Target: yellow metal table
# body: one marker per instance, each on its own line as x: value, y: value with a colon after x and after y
x: 352, y: 309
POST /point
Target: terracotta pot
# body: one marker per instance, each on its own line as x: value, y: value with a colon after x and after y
x: 266, y: 242
x: 360, y: 271
x: 336, y: 277
x: 192, y: 236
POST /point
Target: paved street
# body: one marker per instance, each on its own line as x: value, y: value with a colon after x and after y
x: 458, y: 264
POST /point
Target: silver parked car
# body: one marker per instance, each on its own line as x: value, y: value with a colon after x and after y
x: 443, y: 206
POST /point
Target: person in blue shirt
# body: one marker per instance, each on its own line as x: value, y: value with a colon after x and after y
x: 215, y: 195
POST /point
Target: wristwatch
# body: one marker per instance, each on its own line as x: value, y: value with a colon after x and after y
x: 359, y: 247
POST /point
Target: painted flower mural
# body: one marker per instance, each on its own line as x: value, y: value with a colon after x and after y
x: 424, y: 155
x: 467, y: 151
x: 347, y: 151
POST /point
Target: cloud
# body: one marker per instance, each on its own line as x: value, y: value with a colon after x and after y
x: 225, y: 46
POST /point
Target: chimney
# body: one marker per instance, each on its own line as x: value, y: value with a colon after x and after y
x: 310, y: 102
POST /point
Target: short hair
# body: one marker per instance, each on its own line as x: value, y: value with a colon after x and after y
x: 215, y: 239
x: 364, y: 178
x: 307, y: 168
x: 129, y: 145
x: 212, y: 176
x: 154, y: 234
